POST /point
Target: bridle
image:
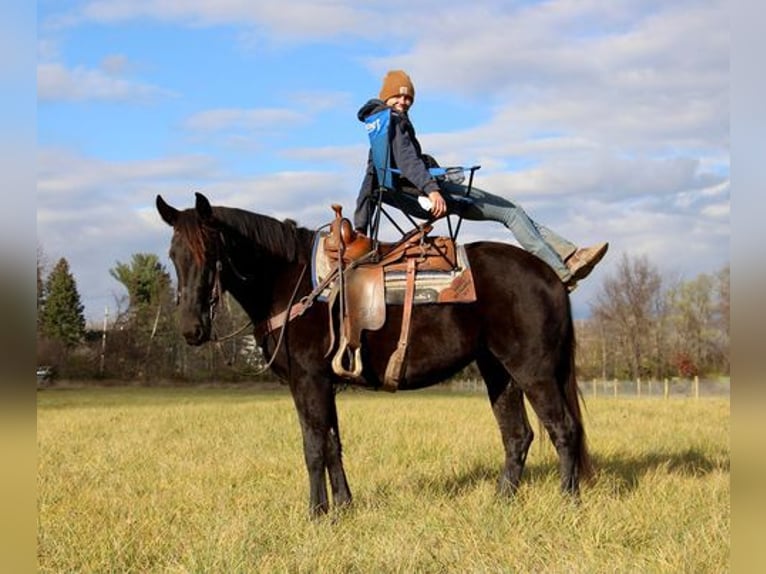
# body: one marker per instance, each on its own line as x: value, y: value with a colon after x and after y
x: 217, y: 291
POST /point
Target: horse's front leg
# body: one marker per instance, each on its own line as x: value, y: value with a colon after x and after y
x: 313, y: 452
x: 341, y: 493
x: 315, y: 403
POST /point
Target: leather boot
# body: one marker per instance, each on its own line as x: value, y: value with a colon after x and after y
x: 583, y: 260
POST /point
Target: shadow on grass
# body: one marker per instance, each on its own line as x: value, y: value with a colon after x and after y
x: 624, y: 471
x: 470, y: 479
x: 627, y: 471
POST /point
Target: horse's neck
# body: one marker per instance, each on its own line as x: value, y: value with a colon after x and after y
x: 263, y: 285
x: 267, y: 291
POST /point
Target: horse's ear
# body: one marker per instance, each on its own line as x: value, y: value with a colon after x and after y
x: 202, y: 206
x: 168, y: 213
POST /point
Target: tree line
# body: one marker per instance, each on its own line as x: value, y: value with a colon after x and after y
x: 641, y: 325
x: 142, y: 342
x: 647, y: 326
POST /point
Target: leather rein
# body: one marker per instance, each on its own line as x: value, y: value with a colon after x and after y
x: 274, y: 322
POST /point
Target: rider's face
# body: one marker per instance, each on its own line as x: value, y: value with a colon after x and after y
x: 401, y: 103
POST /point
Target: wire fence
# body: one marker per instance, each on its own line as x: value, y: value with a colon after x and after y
x: 667, y: 388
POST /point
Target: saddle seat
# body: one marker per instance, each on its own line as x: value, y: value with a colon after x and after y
x: 356, y: 249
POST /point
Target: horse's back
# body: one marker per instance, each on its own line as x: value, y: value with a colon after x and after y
x: 502, y: 268
x: 521, y: 299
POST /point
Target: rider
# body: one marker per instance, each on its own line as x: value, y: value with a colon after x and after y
x: 398, y: 93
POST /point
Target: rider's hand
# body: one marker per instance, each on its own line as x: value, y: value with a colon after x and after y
x: 438, y: 205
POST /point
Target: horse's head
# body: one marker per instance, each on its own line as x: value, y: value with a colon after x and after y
x: 194, y: 250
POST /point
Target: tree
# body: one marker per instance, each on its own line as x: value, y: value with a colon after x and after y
x: 700, y: 321
x: 643, y: 324
x: 723, y: 314
x: 628, y: 310
x: 145, y: 279
x: 62, y: 316
x: 40, y: 287
x: 147, y: 333
x: 723, y: 299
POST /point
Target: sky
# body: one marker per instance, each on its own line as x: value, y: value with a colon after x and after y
x: 604, y: 120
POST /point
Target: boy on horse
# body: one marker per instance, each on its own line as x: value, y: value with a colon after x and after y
x: 444, y: 196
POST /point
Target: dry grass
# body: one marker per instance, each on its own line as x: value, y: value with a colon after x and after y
x: 195, y: 480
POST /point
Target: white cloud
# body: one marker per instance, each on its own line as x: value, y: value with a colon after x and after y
x: 303, y: 20
x: 55, y: 81
x: 318, y: 101
x: 114, y: 64
x: 64, y: 176
x: 244, y: 119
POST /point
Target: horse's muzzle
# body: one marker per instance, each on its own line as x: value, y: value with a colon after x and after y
x: 196, y: 334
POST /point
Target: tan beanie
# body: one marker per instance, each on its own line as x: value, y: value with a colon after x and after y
x: 395, y: 83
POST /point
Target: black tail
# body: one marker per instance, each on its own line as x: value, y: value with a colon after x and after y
x: 573, y: 397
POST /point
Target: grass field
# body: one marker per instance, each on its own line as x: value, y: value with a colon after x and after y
x: 213, y: 480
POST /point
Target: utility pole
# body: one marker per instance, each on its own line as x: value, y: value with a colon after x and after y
x: 103, y: 341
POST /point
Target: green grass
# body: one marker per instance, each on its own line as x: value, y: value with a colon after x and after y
x: 212, y: 480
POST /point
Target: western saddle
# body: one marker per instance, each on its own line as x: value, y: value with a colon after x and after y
x: 360, y: 267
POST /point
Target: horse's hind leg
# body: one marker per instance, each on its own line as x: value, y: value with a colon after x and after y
x: 517, y: 436
x: 565, y: 432
x: 508, y: 407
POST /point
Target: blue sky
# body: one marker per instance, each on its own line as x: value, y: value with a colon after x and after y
x: 604, y: 120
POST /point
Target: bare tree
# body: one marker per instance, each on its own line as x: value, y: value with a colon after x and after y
x: 699, y: 315
x: 628, y: 308
x: 723, y: 314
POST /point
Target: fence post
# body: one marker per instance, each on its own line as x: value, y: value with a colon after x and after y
x: 696, y: 387
x: 667, y: 390
x: 615, y: 388
x: 638, y: 386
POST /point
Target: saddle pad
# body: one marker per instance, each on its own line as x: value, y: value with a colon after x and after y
x: 454, y: 286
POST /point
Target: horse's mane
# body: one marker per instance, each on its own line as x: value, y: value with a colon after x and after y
x: 282, y: 239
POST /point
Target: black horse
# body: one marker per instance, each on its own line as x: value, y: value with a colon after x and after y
x: 519, y: 332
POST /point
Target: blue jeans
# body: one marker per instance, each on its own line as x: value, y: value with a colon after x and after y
x: 533, y: 237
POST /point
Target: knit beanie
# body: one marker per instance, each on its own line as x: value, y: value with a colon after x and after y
x: 395, y: 83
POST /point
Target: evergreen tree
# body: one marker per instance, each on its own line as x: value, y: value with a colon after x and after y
x: 40, y: 288
x: 62, y: 316
x: 145, y: 279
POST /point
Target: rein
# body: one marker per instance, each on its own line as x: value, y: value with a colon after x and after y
x: 293, y: 309
x: 219, y: 340
x: 215, y: 297
x: 217, y: 289
x: 277, y: 321
x: 233, y: 334
x: 284, y: 326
